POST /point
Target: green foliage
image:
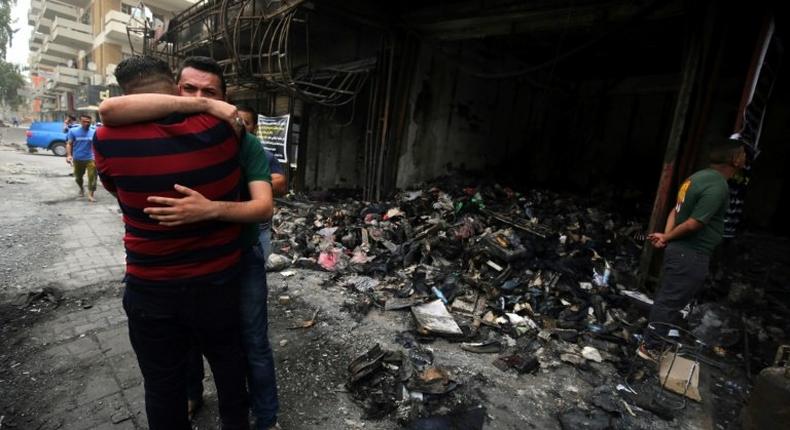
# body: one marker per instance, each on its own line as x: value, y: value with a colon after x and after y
x: 6, y: 32
x: 11, y: 82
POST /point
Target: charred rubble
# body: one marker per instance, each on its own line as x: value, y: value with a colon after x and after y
x: 535, y: 279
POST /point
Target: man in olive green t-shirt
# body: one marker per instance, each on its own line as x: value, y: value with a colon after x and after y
x: 694, y: 227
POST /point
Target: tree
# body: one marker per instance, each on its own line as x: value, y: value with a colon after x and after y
x: 6, y: 32
x: 11, y: 81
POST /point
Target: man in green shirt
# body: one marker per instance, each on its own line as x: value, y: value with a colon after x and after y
x: 693, y: 230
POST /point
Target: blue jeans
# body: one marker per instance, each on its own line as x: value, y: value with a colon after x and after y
x: 261, y: 377
x: 266, y: 241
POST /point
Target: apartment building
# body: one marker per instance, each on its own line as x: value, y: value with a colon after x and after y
x: 75, y: 46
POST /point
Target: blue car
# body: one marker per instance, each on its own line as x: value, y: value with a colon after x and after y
x: 47, y: 135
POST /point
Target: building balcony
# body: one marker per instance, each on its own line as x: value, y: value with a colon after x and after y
x: 71, y: 33
x: 37, y: 37
x: 115, y: 29
x: 50, y: 60
x: 170, y: 5
x: 34, y: 12
x: 89, y: 77
x: 66, y: 78
x: 65, y: 52
x: 36, y: 45
x: 33, y: 58
x: 53, y: 9
x: 32, y: 18
x: 42, y: 25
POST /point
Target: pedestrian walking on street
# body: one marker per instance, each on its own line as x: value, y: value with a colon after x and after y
x: 182, y: 281
x: 79, y: 154
x: 69, y: 122
x: 693, y: 230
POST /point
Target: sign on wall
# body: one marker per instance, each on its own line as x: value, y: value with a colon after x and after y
x: 273, y: 133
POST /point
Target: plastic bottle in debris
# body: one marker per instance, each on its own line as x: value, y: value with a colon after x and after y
x: 439, y: 295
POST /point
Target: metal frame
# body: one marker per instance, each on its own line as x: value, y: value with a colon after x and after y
x: 255, y: 46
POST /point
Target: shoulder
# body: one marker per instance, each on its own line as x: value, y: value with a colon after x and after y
x: 250, y: 139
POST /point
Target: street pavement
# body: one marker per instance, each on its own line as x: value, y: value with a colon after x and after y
x: 87, y: 348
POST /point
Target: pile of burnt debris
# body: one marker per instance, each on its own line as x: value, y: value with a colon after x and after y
x: 536, y: 279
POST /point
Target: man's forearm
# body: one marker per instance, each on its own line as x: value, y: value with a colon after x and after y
x: 68, y: 149
x: 251, y: 211
x: 670, y: 221
x: 134, y: 108
x: 683, y: 229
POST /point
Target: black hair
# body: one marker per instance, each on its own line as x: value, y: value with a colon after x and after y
x: 71, y: 118
x: 204, y: 64
x: 85, y: 115
x: 723, y: 151
x: 248, y: 109
x: 140, y: 70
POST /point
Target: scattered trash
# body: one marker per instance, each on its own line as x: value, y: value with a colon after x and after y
x: 433, y: 317
x: 487, y: 347
x: 277, y: 262
x: 680, y: 375
x: 538, y: 278
x: 591, y: 354
x: 308, y: 323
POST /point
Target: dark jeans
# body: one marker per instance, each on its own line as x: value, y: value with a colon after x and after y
x: 261, y: 376
x: 255, y: 335
x: 683, y: 275
x: 163, y: 324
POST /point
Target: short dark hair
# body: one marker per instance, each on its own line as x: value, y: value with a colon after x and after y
x: 139, y: 70
x: 71, y: 118
x: 85, y: 115
x: 204, y: 64
x: 248, y: 109
x: 722, y: 151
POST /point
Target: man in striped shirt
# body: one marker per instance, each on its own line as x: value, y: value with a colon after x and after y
x: 200, y: 80
x: 181, y: 281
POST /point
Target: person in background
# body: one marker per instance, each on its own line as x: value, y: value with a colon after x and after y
x: 694, y: 228
x: 79, y: 155
x: 279, y: 184
x: 69, y: 122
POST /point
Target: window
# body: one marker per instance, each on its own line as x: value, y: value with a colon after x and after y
x: 127, y: 8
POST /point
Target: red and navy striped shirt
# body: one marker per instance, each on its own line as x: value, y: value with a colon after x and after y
x: 141, y: 160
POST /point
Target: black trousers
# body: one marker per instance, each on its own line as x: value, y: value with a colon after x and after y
x: 164, y: 322
x: 683, y: 275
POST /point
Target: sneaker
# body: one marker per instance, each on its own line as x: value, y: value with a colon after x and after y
x: 648, y: 354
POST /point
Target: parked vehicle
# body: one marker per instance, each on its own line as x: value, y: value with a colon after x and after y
x: 47, y: 135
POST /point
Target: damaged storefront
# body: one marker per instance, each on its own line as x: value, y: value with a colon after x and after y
x: 489, y: 171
